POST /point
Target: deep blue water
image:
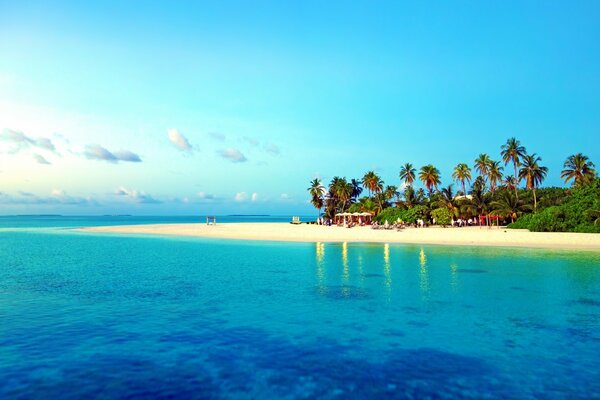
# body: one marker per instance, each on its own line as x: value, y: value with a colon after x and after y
x: 91, y: 316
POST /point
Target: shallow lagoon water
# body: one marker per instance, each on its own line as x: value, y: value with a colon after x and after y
x: 107, y: 316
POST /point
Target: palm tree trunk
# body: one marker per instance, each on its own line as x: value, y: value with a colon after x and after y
x: 464, y: 188
x: 534, y: 201
x: 516, y: 181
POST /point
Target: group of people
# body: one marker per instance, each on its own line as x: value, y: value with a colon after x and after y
x: 464, y: 222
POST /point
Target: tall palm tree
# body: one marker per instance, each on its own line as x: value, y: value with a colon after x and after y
x: 579, y: 169
x: 509, y: 205
x: 462, y: 174
x: 494, y: 174
x: 343, y: 192
x: 532, y: 173
x: 317, y: 192
x: 407, y: 174
x: 372, y: 182
x: 512, y: 151
x: 430, y: 176
x: 482, y: 165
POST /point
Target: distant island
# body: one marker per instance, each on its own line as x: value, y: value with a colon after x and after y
x: 248, y: 215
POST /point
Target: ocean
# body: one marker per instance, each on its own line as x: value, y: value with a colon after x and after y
x: 87, y: 315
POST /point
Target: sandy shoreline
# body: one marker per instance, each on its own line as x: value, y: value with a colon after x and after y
x: 472, y: 236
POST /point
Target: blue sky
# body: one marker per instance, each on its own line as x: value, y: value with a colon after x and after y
x: 232, y: 107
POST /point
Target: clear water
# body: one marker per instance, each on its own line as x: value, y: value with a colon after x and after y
x: 92, y: 316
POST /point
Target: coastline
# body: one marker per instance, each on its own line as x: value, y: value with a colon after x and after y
x: 467, y: 236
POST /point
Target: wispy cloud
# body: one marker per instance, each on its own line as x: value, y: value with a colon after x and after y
x: 40, y: 159
x: 57, y: 197
x: 97, y: 152
x: 254, y: 196
x: 136, y: 196
x: 178, y: 140
x: 251, y: 141
x: 217, y: 136
x: 20, y: 141
x: 233, y: 155
x: 272, y: 149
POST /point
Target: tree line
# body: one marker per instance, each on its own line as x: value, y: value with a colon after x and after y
x: 492, y: 192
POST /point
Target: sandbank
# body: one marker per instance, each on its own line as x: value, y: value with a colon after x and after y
x: 466, y: 236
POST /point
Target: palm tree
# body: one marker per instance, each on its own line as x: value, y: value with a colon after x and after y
x: 411, y: 197
x: 372, y: 182
x: 533, y: 174
x: 343, y: 192
x: 430, y: 176
x: 482, y: 165
x: 479, y: 203
x: 494, y: 174
x: 448, y: 201
x: 391, y: 192
x: 462, y: 174
x: 512, y: 151
x: 407, y: 174
x: 510, y: 182
x: 578, y: 168
x: 356, y: 188
x: 317, y: 192
x: 509, y: 205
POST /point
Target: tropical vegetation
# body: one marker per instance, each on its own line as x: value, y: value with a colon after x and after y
x: 485, y: 194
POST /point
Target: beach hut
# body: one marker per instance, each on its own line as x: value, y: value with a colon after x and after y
x: 211, y: 220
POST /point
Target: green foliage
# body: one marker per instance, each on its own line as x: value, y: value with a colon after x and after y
x: 411, y: 215
x: 575, y: 214
x: 442, y: 216
x: 391, y: 214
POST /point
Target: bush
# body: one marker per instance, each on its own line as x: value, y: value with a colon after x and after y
x: 442, y: 216
x: 573, y: 215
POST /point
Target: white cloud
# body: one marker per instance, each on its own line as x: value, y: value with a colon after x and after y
x: 20, y: 141
x: 233, y: 155
x: 241, y: 196
x: 136, y: 196
x: 254, y: 196
x: 285, y: 196
x: 206, y: 196
x: 97, y: 152
x: 178, y: 140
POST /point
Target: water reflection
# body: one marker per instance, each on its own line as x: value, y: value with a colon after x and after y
x: 386, y: 267
x: 454, y: 276
x: 320, y: 256
x: 345, y: 270
x: 424, y: 274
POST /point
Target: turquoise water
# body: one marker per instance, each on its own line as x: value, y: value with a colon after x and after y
x: 92, y: 316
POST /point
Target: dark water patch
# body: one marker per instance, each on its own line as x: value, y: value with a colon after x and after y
x: 278, y: 271
x: 373, y: 276
x: 471, y: 270
x: 393, y: 333
x: 343, y: 292
x: 588, y: 302
x: 419, y: 324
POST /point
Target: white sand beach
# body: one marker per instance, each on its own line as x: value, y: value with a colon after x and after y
x: 471, y: 236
